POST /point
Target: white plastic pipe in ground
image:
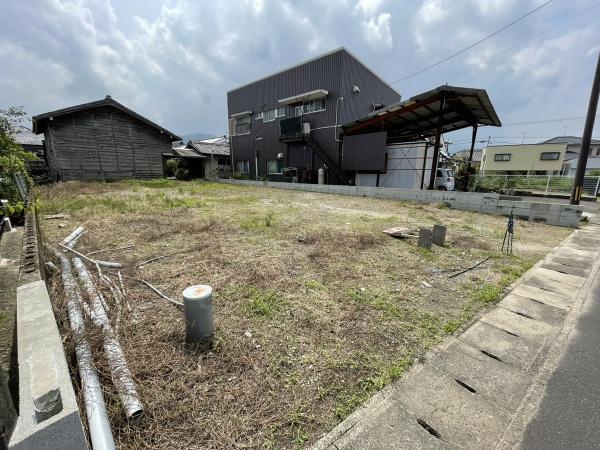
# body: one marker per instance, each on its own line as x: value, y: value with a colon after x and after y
x: 134, y: 409
x: 71, y: 239
x: 98, y: 424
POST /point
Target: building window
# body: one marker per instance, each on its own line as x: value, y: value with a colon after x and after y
x: 223, y: 161
x: 242, y: 166
x: 549, y: 156
x: 259, y: 116
x: 310, y: 106
x: 269, y: 116
x: 240, y: 125
x: 274, y: 166
x: 502, y: 157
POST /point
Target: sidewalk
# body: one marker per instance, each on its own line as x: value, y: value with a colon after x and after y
x: 480, y: 389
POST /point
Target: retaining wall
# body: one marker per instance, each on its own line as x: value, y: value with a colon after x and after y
x: 558, y: 214
x: 48, y: 413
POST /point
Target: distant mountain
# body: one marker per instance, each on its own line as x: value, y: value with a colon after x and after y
x: 196, y: 136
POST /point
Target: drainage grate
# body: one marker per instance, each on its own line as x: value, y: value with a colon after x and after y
x: 491, y: 355
x: 432, y: 431
x: 537, y: 301
x: 524, y: 315
x: 466, y: 386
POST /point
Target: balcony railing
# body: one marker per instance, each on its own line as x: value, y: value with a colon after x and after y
x: 291, y: 130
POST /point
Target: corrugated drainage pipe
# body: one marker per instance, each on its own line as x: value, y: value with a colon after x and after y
x: 98, y: 424
x: 114, y: 354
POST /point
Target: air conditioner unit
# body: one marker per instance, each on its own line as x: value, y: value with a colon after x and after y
x: 305, y: 128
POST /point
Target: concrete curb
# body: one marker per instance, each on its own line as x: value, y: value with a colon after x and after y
x: 557, y: 214
x: 49, y: 416
x: 521, y: 340
x: 528, y: 408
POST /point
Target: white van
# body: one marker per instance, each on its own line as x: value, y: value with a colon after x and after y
x: 444, y: 180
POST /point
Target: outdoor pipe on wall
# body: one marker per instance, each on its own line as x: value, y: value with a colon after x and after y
x: 95, y: 408
x: 336, y: 120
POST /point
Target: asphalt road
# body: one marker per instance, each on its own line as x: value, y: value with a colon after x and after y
x: 569, y: 415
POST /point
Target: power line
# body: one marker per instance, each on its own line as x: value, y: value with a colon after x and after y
x: 523, y: 43
x: 533, y: 122
x: 473, y: 45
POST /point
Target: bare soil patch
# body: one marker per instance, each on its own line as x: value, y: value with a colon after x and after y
x: 316, y: 309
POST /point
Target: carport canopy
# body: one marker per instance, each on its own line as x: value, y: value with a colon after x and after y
x: 430, y: 114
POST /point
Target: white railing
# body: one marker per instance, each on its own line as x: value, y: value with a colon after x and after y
x: 541, y: 184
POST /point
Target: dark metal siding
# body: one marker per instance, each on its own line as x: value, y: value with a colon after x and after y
x: 104, y: 144
x: 336, y: 72
x: 365, y: 152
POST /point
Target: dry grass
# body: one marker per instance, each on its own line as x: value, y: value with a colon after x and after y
x: 334, y: 309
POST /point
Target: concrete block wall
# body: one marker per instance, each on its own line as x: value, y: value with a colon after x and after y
x: 557, y: 214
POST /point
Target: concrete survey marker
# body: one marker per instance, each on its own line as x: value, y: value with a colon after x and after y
x: 539, y: 311
x: 459, y: 416
x: 543, y: 296
x: 494, y: 380
x: 502, y: 345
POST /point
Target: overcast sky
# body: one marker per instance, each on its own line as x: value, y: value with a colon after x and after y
x: 174, y: 61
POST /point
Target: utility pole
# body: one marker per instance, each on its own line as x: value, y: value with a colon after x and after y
x: 587, y: 136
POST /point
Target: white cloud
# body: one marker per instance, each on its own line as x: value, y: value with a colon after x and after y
x: 369, y: 7
x: 377, y: 31
x: 432, y: 11
x: 544, y: 60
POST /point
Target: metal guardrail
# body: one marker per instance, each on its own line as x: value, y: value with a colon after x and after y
x: 546, y: 184
x: 22, y: 186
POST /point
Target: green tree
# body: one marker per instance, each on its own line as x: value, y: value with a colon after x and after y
x: 12, y: 156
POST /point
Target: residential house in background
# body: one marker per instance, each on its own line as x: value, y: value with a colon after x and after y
x: 523, y: 159
x: 572, y: 154
x: 292, y: 119
x: 463, y: 155
x: 34, y: 143
x: 102, y: 140
x: 217, y: 160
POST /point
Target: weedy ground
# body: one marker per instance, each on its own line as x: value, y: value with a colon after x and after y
x: 316, y: 309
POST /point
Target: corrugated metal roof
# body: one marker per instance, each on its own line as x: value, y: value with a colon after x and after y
x: 417, y: 117
x: 206, y: 148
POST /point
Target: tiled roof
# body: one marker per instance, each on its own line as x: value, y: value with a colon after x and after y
x: 569, y: 140
x: 187, y: 153
x: 209, y: 149
x: 26, y: 137
x: 465, y: 154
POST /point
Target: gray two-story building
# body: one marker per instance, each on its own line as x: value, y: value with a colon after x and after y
x: 287, y: 125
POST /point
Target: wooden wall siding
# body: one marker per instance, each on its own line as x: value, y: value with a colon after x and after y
x: 104, y: 144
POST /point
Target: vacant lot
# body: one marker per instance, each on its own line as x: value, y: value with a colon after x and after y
x: 316, y: 308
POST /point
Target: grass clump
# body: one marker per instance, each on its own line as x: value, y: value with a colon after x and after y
x: 368, y: 386
x: 262, y: 303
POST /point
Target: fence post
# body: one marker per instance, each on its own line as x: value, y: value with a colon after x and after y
x: 547, y: 184
x: 597, y: 186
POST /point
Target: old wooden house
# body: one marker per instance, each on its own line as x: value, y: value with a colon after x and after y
x: 102, y: 140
